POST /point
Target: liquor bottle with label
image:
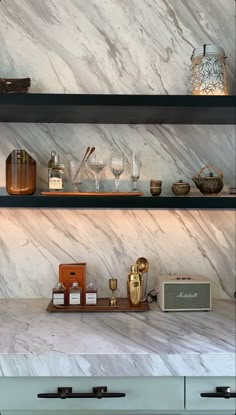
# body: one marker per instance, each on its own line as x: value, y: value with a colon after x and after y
x: 75, y: 294
x: 91, y: 294
x: 56, y: 176
x: 58, y: 294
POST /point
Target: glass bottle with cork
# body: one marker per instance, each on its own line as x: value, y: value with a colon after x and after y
x: 56, y: 176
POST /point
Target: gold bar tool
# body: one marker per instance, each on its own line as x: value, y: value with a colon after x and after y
x: 113, y: 287
x: 134, y: 285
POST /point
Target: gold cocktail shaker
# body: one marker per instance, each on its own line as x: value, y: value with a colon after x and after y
x: 134, y: 285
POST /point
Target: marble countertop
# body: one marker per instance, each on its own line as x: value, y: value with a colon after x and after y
x: 34, y: 342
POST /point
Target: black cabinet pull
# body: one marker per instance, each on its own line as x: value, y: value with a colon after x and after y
x: 221, y: 392
x: 99, y: 392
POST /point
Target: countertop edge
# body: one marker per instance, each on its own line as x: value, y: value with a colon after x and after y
x: 117, y: 365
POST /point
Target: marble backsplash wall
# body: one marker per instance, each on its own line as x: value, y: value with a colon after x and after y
x: 115, y: 46
x: 112, y: 46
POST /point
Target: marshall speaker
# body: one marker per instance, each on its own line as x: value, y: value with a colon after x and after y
x: 184, y: 293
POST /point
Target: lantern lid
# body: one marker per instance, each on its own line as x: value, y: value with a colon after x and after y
x: 208, y: 50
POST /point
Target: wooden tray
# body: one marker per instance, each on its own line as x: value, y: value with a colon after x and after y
x: 92, y: 194
x: 102, y: 305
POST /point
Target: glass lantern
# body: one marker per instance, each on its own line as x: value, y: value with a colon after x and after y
x: 209, y: 71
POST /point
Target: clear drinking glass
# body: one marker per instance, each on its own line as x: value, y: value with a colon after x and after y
x: 117, y: 167
x: 135, y: 170
x: 96, y: 162
x: 75, y: 168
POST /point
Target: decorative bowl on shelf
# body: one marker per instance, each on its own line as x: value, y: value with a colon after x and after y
x: 180, y: 188
x: 10, y: 85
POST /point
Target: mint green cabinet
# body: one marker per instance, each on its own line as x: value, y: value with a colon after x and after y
x: 197, y: 385
x: 142, y: 394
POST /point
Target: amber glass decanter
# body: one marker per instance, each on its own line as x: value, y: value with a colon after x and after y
x: 20, y: 173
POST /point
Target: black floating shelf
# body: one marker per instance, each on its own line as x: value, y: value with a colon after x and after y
x: 117, y: 109
x: 107, y: 202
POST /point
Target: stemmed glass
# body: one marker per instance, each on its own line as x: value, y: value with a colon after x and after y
x: 96, y: 163
x: 117, y: 167
x: 135, y: 170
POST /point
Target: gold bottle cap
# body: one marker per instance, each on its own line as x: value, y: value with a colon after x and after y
x: 134, y: 269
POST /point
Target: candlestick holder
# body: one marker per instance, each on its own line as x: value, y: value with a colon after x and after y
x: 113, y: 287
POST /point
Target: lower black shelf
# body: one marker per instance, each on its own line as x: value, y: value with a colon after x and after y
x: 106, y: 202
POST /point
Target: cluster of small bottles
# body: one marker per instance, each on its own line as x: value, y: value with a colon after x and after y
x: 75, y: 294
x: 56, y: 173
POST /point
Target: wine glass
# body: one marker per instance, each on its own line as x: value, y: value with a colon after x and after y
x: 96, y: 162
x: 135, y: 170
x: 117, y: 167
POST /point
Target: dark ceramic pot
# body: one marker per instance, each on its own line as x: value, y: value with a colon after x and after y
x: 180, y: 188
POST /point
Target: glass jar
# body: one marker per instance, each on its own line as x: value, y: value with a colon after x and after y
x: 209, y: 71
x: 20, y: 173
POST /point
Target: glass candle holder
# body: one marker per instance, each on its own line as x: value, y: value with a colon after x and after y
x: 209, y: 71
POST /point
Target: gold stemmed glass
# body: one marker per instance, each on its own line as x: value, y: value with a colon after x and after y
x: 113, y: 287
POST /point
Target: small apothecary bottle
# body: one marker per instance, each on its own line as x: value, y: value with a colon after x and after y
x: 56, y: 176
x: 58, y: 294
x: 91, y: 294
x: 75, y: 294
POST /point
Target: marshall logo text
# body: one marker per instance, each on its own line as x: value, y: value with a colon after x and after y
x: 182, y: 294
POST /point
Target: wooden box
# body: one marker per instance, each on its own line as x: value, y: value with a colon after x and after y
x: 69, y: 273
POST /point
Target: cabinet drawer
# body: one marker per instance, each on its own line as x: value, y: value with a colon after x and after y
x: 197, y: 385
x: 142, y: 393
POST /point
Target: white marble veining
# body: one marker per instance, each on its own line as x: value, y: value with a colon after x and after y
x: 36, y: 343
x: 115, y: 46
x: 34, y: 243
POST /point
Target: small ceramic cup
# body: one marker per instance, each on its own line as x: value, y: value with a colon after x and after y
x: 155, y: 183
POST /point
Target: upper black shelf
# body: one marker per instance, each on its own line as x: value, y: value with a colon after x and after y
x: 106, y: 202
x: 117, y: 109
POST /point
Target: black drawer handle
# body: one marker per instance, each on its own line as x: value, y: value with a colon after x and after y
x: 99, y: 392
x: 221, y: 392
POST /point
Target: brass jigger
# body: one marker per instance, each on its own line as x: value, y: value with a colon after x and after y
x: 113, y: 287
